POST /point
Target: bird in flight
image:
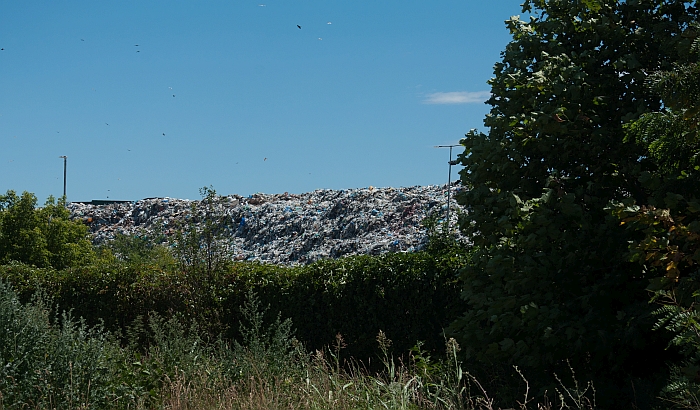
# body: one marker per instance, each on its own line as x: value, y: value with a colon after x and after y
x: 173, y: 95
x: 136, y: 45
x: 329, y: 23
x: 106, y: 124
x: 82, y: 39
x: 164, y: 134
x: 299, y: 26
x: 265, y: 159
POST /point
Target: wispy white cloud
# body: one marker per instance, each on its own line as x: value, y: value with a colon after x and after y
x: 457, y: 97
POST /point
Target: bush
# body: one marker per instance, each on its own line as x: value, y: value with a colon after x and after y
x: 41, y: 237
x: 63, y: 364
x: 411, y: 297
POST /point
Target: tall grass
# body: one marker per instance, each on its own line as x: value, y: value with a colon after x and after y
x: 51, y: 361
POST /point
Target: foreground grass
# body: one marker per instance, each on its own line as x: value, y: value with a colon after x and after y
x: 325, y: 387
x: 50, y: 361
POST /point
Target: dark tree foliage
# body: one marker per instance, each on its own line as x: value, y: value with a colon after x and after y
x: 550, y: 281
x: 669, y: 219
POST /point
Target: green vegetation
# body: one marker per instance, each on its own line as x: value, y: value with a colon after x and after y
x: 142, y: 305
x: 551, y: 283
x: 151, y: 334
x: 667, y: 222
x: 44, y: 237
x: 579, y: 288
x: 196, y: 245
x: 58, y: 362
x: 411, y: 297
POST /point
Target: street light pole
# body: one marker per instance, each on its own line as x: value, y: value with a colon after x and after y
x: 449, y: 179
x: 65, y: 160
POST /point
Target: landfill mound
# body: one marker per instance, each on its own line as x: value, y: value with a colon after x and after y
x: 287, y: 228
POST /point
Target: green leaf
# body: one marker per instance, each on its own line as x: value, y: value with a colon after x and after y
x: 593, y: 5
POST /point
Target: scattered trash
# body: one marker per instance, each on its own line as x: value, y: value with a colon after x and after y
x: 287, y: 228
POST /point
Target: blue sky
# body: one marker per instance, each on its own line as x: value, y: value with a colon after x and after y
x: 160, y: 98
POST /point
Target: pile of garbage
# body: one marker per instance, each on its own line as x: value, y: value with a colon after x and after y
x: 286, y: 228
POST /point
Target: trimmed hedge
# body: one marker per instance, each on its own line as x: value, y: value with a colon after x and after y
x: 411, y: 297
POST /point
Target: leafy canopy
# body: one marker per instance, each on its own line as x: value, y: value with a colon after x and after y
x: 41, y: 237
x: 669, y: 219
x: 550, y: 280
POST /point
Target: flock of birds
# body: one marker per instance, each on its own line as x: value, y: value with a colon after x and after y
x: 138, y: 51
x: 170, y: 88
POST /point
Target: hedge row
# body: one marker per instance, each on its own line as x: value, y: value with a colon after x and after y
x: 411, y: 297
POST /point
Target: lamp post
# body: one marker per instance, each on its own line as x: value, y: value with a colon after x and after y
x: 65, y: 160
x: 449, y: 179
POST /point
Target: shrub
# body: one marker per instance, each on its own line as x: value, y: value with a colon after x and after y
x: 42, y: 237
x: 59, y: 363
x: 411, y: 297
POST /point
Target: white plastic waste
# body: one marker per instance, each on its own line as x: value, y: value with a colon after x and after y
x: 288, y: 228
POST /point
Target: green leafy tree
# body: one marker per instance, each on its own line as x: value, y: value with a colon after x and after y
x: 41, y: 236
x: 550, y: 280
